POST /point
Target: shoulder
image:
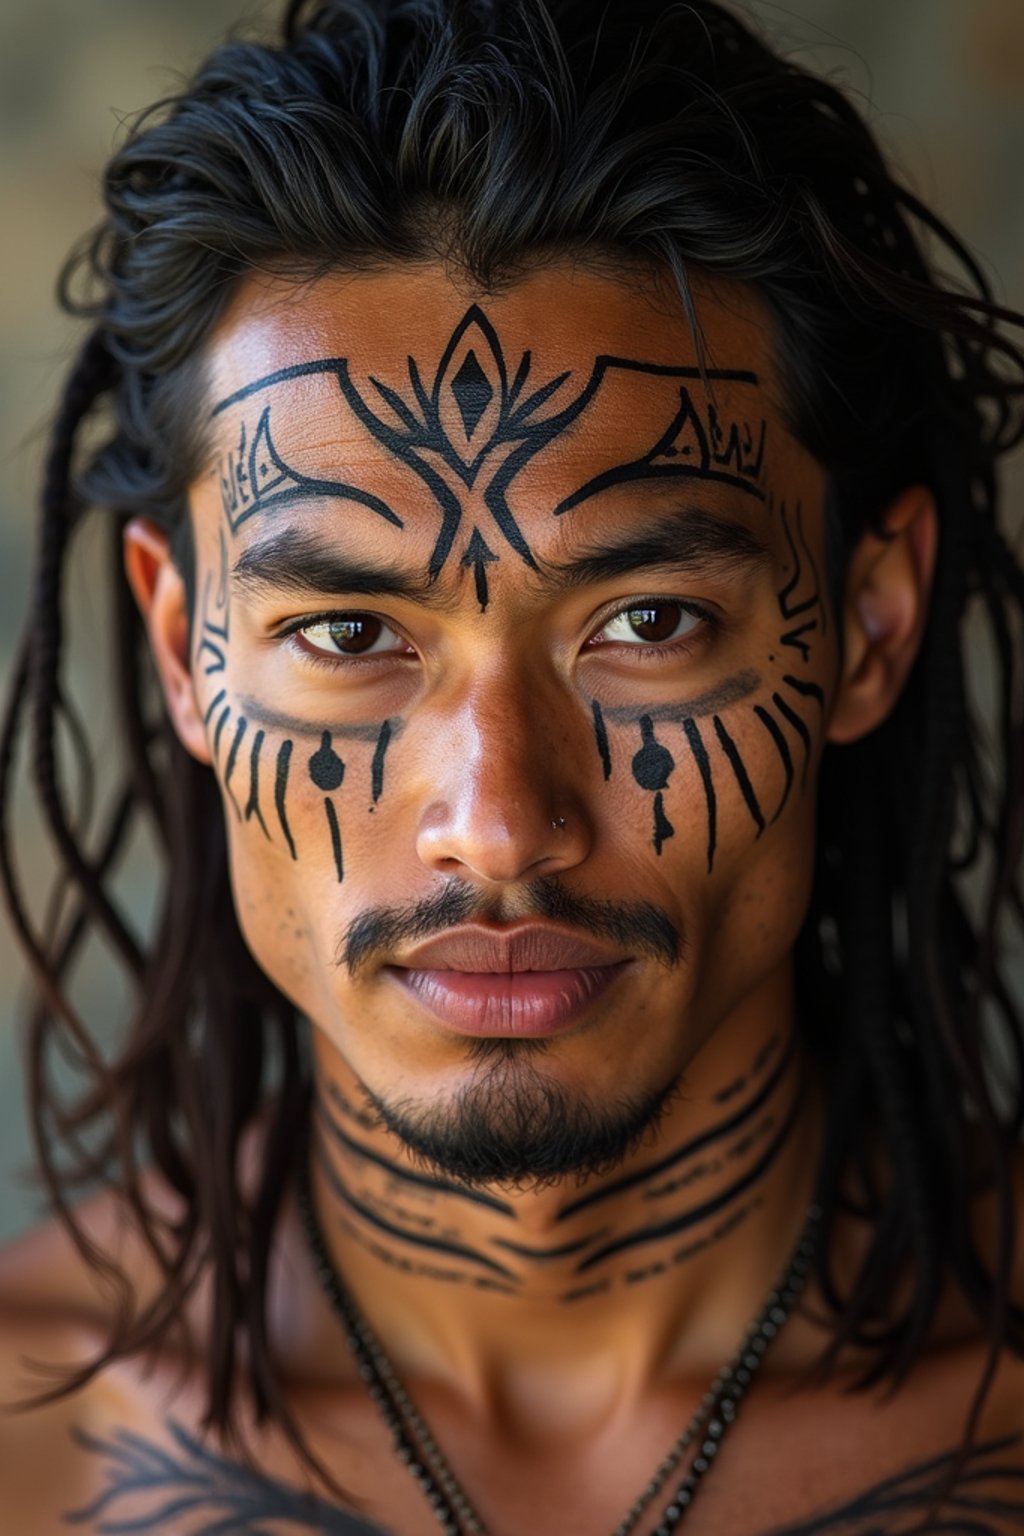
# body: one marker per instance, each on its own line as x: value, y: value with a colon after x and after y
x: 54, y: 1320
x: 45, y: 1273
x: 127, y: 1450
x: 40, y: 1474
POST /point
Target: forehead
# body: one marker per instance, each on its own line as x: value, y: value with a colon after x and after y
x: 567, y: 309
x: 556, y: 392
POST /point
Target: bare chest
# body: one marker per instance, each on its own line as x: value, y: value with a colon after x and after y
x: 793, y: 1464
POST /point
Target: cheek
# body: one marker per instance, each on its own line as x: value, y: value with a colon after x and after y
x: 303, y: 819
x: 722, y: 809
x: 705, y: 788
x: 759, y: 894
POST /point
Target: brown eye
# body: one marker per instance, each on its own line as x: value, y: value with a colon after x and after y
x: 351, y: 634
x: 655, y: 623
x: 355, y: 633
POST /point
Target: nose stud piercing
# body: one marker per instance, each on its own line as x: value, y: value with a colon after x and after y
x: 558, y: 826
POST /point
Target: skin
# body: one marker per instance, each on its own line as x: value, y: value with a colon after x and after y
x: 556, y: 1331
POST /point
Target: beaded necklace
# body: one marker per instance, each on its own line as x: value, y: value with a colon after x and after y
x: 416, y: 1447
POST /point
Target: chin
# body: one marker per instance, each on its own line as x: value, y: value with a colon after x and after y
x: 514, y: 1124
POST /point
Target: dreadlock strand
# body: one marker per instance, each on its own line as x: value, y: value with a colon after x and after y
x: 129, y: 650
x: 92, y: 375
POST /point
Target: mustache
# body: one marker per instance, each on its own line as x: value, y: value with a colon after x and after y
x: 640, y: 926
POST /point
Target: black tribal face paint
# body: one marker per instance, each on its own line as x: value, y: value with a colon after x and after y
x: 464, y: 427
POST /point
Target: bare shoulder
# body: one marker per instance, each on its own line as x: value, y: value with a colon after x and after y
x: 43, y: 1271
x: 127, y: 1451
x: 54, y: 1317
x: 43, y: 1477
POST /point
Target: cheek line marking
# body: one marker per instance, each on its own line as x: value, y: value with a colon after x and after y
x: 213, y: 705
x: 252, y: 807
x: 275, y: 720
x: 738, y: 767
x: 284, y: 758
x: 801, y: 730
x: 771, y: 725
x: 232, y: 759
x: 732, y: 691
x: 663, y: 828
x: 699, y: 751
x: 601, y: 736
x: 377, y: 766
x: 335, y: 830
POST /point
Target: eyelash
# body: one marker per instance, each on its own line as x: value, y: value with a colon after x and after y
x: 710, y: 621
x: 317, y: 658
x: 649, y: 653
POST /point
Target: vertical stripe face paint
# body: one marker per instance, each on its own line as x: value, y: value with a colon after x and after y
x: 284, y: 762
x: 335, y: 831
x: 377, y: 766
x: 738, y: 767
x: 601, y: 738
x: 782, y: 747
x: 786, y: 707
x: 252, y: 805
x: 327, y: 772
x: 691, y: 730
x: 229, y: 767
x: 326, y: 768
x: 652, y: 766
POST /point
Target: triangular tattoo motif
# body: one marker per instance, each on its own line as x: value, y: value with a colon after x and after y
x: 255, y: 478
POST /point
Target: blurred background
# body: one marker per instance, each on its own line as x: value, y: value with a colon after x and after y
x: 942, y: 82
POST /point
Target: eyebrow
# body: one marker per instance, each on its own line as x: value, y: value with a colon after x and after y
x: 301, y: 563
x: 685, y: 538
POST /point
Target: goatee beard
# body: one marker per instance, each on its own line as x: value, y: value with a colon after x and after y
x: 513, y: 1126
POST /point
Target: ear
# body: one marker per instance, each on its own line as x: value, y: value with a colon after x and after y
x: 885, y: 607
x: 160, y: 593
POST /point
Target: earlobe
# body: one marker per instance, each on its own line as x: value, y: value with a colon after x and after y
x: 159, y: 590
x: 887, y: 590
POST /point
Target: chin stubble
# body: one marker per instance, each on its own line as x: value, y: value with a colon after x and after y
x: 513, y: 1126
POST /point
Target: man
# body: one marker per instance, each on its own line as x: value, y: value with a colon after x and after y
x: 550, y: 483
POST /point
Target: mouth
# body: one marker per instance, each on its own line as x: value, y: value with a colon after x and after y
x: 528, y: 981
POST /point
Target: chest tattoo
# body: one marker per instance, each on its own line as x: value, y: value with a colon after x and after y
x: 150, y: 1487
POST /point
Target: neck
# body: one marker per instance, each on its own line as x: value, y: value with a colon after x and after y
x: 659, y: 1263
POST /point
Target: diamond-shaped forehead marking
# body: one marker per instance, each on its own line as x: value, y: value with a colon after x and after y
x: 473, y: 394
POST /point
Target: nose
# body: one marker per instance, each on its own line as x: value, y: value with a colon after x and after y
x: 504, y: 802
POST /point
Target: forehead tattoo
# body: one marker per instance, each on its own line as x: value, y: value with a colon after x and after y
x: 468, y: 428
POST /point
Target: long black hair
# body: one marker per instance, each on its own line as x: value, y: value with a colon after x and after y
x: 493, y: 134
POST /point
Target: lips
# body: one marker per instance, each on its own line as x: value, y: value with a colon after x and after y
x: 527, y: 947
x: 532, y: 980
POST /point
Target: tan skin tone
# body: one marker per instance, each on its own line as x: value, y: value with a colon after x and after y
x: 552, y: 1405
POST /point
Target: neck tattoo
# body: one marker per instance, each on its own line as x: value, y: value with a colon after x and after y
x: 415, y: 1445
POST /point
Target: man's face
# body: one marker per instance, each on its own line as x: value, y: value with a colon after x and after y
x: 507, y: 619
